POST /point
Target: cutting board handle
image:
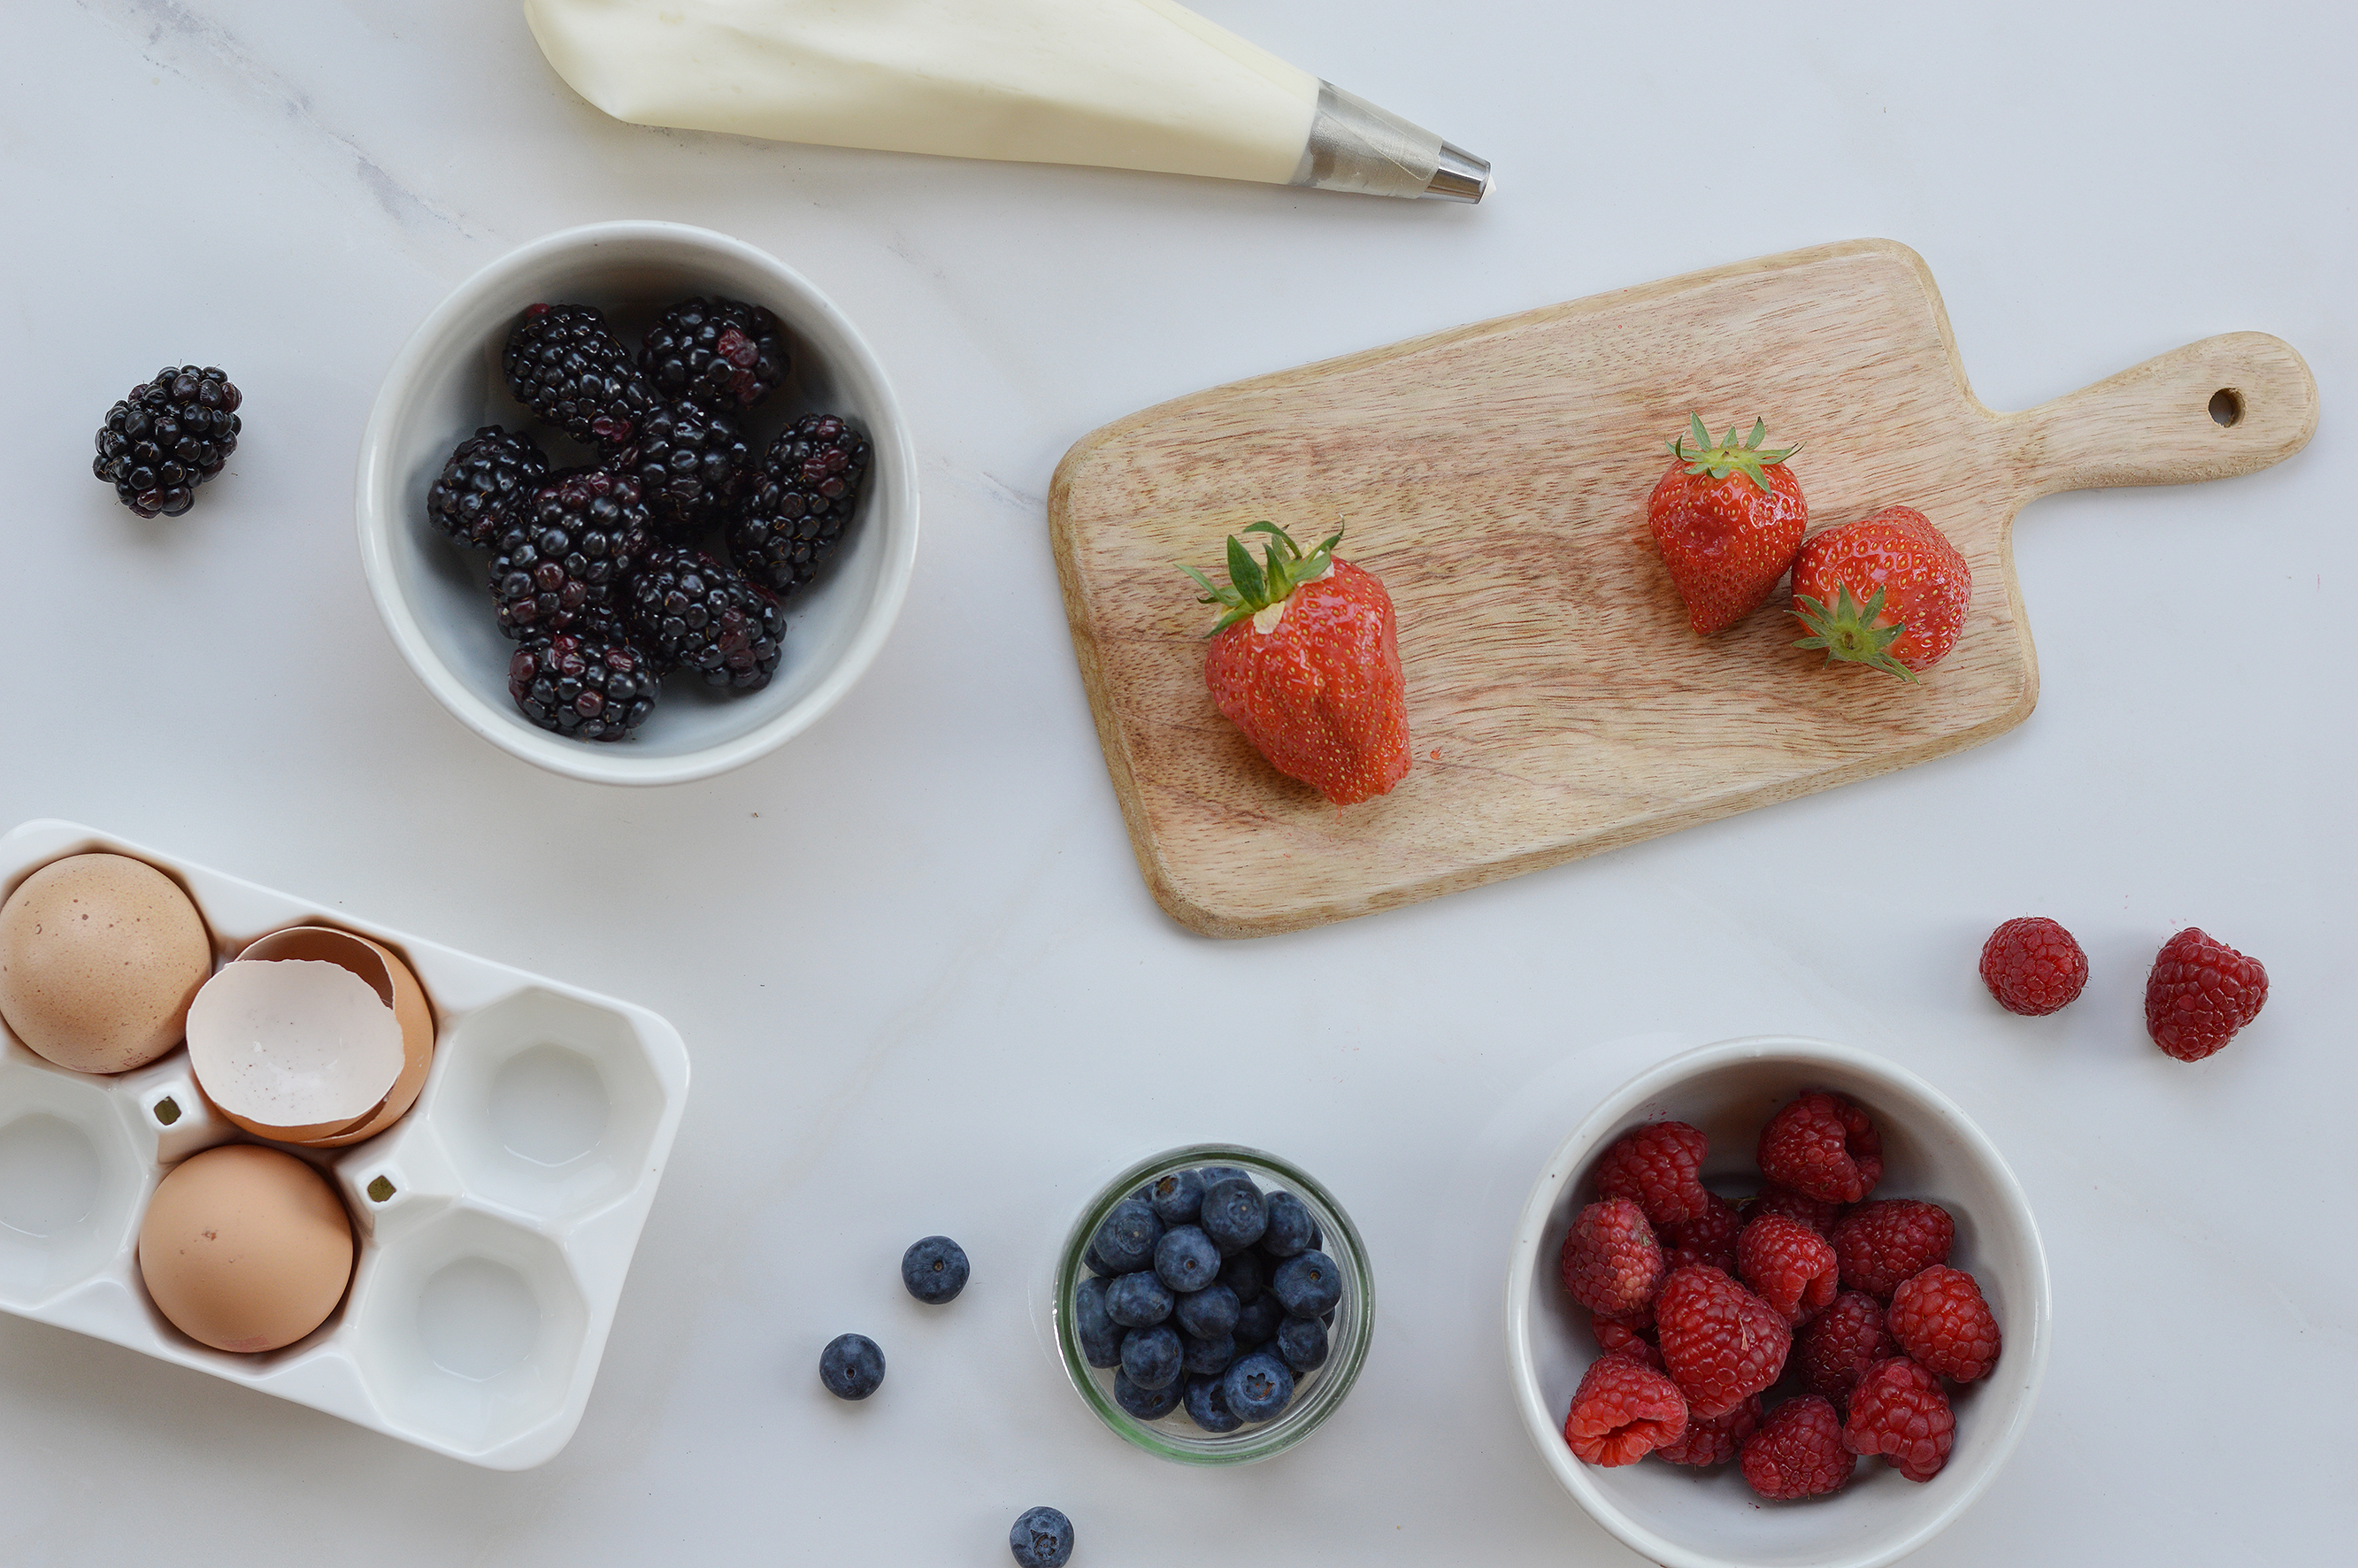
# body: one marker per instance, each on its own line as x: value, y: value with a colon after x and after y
x: 2227, y: 405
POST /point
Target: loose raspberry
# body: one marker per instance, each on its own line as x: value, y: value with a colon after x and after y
x: 2201, y: 992
x: 1799, y: 1452
x: 1713, y: 1440
x: 2033, y: 966
x: 1611, y: 1262
x: 1659, y: 1168
x: 1816, y: 1213
x: 1623, y: 1411
x: 1823, y: 1146
x: 1719, y: 1341
x: 1881, y: 1243
x: 1841, y: 1343
x: 1899, y: 1411
x: 1791, y: 1265
x: 1709, y: 1239
x: 1939, y: 1317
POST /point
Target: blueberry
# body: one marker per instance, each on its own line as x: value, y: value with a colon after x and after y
x: 1247, y: 1274
x: 1290, y: 1226
x: 851, y: 1367
x: 1308, y: 1284
x: 1185, y: 1258
x: 1208, y: 1408
x: 1043, y: 1538
x: 1215, y: 1175
x: 1258, y: 1387
x: 1150, y: 1357
x: 1097, y: 1335
x: 1096, y: 1265
x: 1176, y: 1197
x: 1127, y: 1238
x: 1234, y: 1214
x: 1138, y: 1301
x: 1303, y: 1342
x: 1146, y: 1404
x: 1205, y: 1357
x: 1258, y: 1320
x: 1207, y: 1313
x: 934, y: 1269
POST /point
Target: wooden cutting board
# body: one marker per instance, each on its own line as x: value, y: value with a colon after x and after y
x: 1495, y: 477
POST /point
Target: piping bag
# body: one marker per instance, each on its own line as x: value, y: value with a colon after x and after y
x: 1145, y: 84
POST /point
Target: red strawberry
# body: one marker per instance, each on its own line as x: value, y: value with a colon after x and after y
x: 1887, y: 590
x: 1727, y: 518
x: 1305, y: 661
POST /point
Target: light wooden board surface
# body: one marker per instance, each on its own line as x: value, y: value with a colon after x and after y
x: 1495, y: 477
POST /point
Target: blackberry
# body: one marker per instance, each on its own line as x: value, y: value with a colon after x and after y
x: 564, y: 364
x: 724, y: 353
x: 591, y: 687
x: 568, y: 552
x: 801, y: 502
x: 169, y: 434
x: 692, y: 462
x: 688, y: 609
x: 492, y: 471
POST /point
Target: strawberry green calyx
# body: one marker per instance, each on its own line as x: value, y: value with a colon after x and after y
x: 1253, y: 586
x: 1848, y: 631
x: 1730, y: 456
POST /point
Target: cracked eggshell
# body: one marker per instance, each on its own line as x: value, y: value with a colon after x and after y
x: 245, y: 1249
x: 395, y: 984
x: 294, y: 1049
x: 100, y: 958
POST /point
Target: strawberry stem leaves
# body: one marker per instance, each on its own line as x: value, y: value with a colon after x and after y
x: 1848, y: 632
x: 1729, y: 455
x: 1253, y: 586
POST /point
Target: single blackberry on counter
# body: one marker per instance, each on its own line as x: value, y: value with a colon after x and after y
x: 167, y: 437
x: 491, y: 472
x: 564, y: 364
x: 568, y: 552
x: 688, y: 609
x: 724, y: 353
x: 801, y: 502
x: 591, y: 687
x: 693, y: 464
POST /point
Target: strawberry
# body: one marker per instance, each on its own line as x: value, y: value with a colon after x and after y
x: 1887, y: 590
x: 1305, y: 661
x: 1727, y: 519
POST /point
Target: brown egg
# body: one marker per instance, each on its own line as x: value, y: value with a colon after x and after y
x: 245, y: 1248
x: 99, y: 956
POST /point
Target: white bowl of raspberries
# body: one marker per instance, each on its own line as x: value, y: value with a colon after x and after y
x: 636, y: 503
x: 1777, y: 1300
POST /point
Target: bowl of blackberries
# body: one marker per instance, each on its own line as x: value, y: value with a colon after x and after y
x: 636, y: 503
x: 1213, y: 1304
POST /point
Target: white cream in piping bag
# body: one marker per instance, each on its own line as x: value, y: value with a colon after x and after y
x: 1142, y: 84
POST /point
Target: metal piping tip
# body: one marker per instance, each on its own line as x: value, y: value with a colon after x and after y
x: 1355, y: 145
x: 1459, y: 176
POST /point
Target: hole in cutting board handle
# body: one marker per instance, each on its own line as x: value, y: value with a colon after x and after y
x: 2226, y: 407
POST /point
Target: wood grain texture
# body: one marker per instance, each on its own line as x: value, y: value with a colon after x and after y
x: 1495, y: 477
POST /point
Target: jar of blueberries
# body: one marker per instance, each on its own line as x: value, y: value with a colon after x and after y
x: 1213, y: 1304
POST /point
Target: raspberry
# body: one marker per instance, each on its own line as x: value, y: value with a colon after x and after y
x: 1709, y: 1239
x: 1816, y: 1213
x: 1939, y: 1317
x: 1881, y: 1243
x: 1719, y: 1341
x: 1799, y: 1452
x: 1822, y: 1146
x: 1713, y: 1440
x: 1841, y: 1343
x: 1611, y: 1262
x: 1641, y: 1351
x: 2201, y: 992
x: 2033, y: 966
x: 1899, y: 1411
x: 1790, y: 1265
x: 1623, y: 1411
x: 1659, y: 1168
x: 1639, y: 1322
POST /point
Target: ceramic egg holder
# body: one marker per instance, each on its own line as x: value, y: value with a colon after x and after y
x: 495, y: 1221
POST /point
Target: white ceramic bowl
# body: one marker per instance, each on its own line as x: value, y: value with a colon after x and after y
x: 1690, y: 1519
x: 446, y: 381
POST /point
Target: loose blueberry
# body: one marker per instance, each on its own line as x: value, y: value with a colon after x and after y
x: 1247, y: 1274
x: 1094, y: 1331
x: 1258, y: 1387
x: 1146, y: 1404
x: 1207, y: 1313
x: 1043, y: 1538
x: 1150, y: 1357
x: 1307, y: 1285
x: 1205, y: 1357
x: 1127, y: 1238
x: 1138, y: 1301
x: 1234, y: 1214
x: 1176, y: 1197
x: 1258, y: 1320
x: 851, y: 1367
x: 1208, y: 1408
x: 1185, y: 1258
x: 1290, y: 1226
x: 1302, y: 1341
x: 934, y: 1269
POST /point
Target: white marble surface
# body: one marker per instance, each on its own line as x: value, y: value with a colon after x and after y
x: 923, y: 983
